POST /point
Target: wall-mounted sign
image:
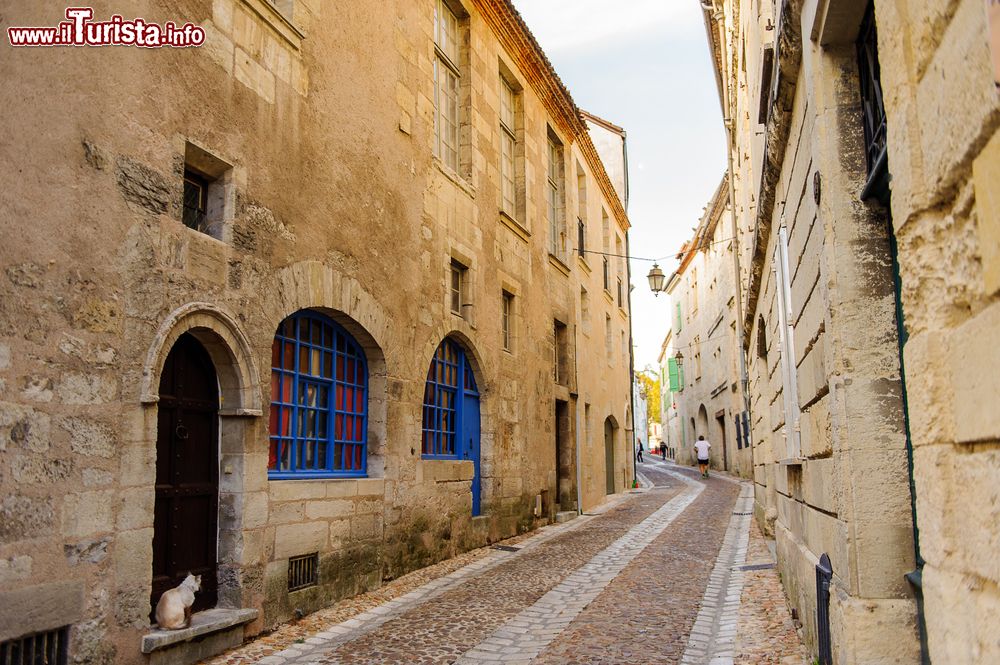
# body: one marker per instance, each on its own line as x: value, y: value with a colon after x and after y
x: 993, y: 18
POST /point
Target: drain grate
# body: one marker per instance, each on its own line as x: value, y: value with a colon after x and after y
x: 756, y: 566
x: 506, y: 548
x: 750, y: 513
x: 50, y: 648
x: 303, y: 571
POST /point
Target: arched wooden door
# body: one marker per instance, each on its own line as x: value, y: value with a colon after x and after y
x: 187, y: 473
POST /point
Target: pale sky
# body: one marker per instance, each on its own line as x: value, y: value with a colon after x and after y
x: 644, y: 65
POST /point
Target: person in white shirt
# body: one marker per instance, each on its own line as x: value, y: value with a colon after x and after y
x: 701, y: 447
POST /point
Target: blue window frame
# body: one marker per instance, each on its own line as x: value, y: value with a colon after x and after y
x: 444, y: 396
x: 319, y: 401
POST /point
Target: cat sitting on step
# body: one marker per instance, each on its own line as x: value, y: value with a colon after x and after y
x: 173, y: 611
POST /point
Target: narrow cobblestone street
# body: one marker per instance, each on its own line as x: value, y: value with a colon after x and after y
x: 655, y: 576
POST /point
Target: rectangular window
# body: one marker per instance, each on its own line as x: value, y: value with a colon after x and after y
x: 581, y: 192
x: 458, y: 287
x: 585, y: 310
x: 195, y: 200
x: 679, y: 319
x: 557, y: 230
x: 694, y: 290
x: 446, y: 85
x: 674, y: 375
x: 506, y: 313
x: 870, y: 83
x: 621, y: 303
x: 508, y: 143
x: 560, y: 353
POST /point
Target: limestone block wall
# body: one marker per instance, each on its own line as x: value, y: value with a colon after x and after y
x: 707, y: 341
x: 944, y: 153
x: 830, y: 461
x: 333, y: 202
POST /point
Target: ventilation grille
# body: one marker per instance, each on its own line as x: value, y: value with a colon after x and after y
x: 302, y: 573
x: 49, y: 648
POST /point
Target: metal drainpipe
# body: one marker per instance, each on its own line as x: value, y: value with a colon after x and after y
x: 728, y: 122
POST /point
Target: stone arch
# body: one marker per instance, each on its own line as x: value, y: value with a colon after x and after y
x: 315, y: 286
x: 702, y: 422
x: 463, y: 335
x: 218, y: 332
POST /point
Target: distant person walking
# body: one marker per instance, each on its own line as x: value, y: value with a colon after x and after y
x: 638, y: 455
x: 701, y: 447
x: 663, y: 450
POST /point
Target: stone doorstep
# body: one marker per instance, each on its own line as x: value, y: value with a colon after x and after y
x: 565, y: 516
x: 203, y: 624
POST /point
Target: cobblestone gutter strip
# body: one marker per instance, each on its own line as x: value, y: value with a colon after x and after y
x: 527, y: 634
x: 713, y: 636
x: 766, y: 635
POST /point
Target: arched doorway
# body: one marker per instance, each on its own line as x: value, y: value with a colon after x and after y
x: 185, y: 522
x: 609, y: 455
x: 451, y: 418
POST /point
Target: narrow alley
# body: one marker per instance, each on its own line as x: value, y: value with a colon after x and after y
x: 655, y: 576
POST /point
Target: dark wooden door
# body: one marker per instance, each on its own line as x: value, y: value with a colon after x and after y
x: 187, y: 473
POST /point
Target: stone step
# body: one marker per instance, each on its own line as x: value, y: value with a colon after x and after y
x: 565, y: 516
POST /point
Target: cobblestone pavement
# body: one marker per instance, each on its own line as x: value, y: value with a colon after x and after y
x: 627, y: 585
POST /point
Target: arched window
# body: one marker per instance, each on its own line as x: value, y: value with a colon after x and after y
x: 319, y: 400
x: 445, y: 397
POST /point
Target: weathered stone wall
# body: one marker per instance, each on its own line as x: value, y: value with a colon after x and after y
x: 835, y: 480
x: 707, y: 341
x: 944, y: 153
x: 335, y: 203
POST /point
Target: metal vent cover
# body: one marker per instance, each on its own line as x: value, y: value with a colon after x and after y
x: 48, y: 648
x: 303, y: 572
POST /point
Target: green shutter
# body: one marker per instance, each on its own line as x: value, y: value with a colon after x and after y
x: 680, y: 375
x: 678, y: 317
x: 675, y: 380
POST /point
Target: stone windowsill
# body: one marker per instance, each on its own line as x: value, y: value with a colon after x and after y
x: 202, y: 624
x: 792, y: 461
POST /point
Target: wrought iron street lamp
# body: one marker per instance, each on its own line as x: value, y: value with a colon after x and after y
x: 680, y: 359
x: 657, y: 280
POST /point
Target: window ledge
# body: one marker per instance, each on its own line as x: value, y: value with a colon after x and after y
x: 583, y: 264
x: 792, y: 461
x: 203, y: 623
x: 520, y: 231
x: 454, y: 176
x: 610, y: 298
x: 281, y: 25
x: 559, y: 264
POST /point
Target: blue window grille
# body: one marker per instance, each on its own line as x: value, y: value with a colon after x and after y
x: 319, y: 400
x: 444, y: 395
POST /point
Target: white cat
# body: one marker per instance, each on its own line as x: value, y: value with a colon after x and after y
x: 173, y: 611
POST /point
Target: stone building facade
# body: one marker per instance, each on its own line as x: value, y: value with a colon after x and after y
x: 702, y: 374
x: 301, y: 309
x: 862, y: 138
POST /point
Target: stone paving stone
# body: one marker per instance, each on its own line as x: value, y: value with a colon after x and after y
x: 556, y: 609
x: 765, y: 634
x: 646, y: 614
x: 443, y: 628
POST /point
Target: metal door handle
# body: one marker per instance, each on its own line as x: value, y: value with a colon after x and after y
x: 181, y: 432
